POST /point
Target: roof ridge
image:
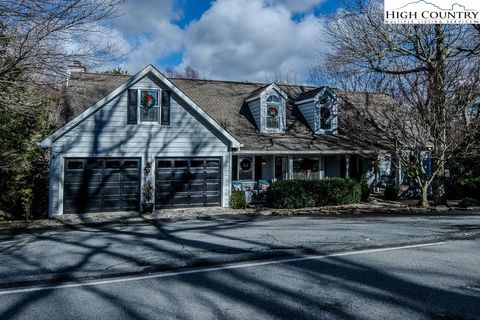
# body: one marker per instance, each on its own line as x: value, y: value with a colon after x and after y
x: 218, y: 80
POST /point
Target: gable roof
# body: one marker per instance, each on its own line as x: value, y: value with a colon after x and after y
x: 224, y: 101
x: 141, y: 74
x: 256, y: 93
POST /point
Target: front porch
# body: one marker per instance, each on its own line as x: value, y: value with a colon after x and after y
x: 254, y: 169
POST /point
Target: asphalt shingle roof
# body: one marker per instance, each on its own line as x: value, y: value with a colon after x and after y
x: 224, y: 101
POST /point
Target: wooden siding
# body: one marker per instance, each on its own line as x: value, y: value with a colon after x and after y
x: 106, y: 134
x: 254, y: 107
x: 309, y: 113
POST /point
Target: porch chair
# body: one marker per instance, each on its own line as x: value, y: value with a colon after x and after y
x: 263, y: 185
x: 237, y: 185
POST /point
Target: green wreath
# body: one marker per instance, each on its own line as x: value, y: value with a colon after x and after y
x: 149, y: 101
x: 272, y: 111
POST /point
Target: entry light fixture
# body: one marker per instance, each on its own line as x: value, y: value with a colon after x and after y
x: 147, y: 168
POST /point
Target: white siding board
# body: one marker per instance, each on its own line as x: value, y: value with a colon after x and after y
x: 255, y: 109
x: 309, y: 113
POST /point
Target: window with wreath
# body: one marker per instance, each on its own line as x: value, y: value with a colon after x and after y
x: 274, y: 119
x: 149, y: 105
x: 326, y: 113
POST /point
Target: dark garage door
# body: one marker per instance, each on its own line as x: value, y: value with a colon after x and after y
x: 187, y: 182
x: 101, y: 184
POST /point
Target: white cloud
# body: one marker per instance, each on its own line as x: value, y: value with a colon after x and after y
x: 296, y: 6
x: 150, y: 31
x: 234, y: 39
x: 244, y: 40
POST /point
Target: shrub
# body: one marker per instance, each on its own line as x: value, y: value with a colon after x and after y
x: 237, y: 200
x: 391, y: 193
x: 292, y: 194
x: 365, y: 187
x: 339, y: 191
x: 147, y: 191
x: 470, y: 187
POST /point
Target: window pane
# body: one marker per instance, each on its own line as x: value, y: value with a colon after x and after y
x: 75, y: 165
x: 213, y: 164
x: 145, y: 99
x: 164, y: 164
x: 130, y: 164
x: 273, y: 99
x: 197, y: 163
x: 273, y: 123
x: 305, y: 168
x: 149, y: 114
x: 181, y: 164
x: 94, y: 164
x: 245, y: 168
x: 113, y: 164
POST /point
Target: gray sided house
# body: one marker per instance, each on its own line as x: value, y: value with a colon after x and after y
x: 192, y: 138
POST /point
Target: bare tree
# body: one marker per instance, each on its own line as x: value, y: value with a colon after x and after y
x: 38, y: 38
x: 279, y: 77
x: 430, y: 71
x: 191, y: 73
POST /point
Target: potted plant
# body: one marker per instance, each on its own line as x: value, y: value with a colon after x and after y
x: 147, y: 192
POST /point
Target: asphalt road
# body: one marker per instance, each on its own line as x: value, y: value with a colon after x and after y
x: 154, y: 246
x: 436, y: 281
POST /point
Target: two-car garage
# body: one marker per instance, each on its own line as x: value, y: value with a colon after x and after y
x: 113, y: 184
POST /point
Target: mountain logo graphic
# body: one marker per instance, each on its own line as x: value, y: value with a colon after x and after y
x: 452, y: 8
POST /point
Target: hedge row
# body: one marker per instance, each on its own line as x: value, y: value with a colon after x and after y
x: 464, y: 188
x: 290, y: 194
x: 470, y: 187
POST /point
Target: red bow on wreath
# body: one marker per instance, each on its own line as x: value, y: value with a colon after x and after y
x: 272, y: 112
x: 325, y: 113
x: 148, y: 101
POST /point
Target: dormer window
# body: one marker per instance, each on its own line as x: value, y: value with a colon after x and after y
x: 273, y: 112
x: 326, y: 113
x: 268, y: 108
x: 319, y: 108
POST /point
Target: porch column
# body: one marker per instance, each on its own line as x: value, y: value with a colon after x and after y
x: 321, y: 167
x: 289, y: 167
x: 347, y: 166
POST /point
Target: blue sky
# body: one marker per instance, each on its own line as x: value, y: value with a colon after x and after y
x: 247, y: 40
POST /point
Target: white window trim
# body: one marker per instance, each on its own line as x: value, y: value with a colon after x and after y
x: 281, y: 110
x: 139, y: 105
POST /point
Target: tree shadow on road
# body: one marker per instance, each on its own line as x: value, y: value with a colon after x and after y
x: 326, y: 288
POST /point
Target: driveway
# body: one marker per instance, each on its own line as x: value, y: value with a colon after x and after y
x: 98, y: 252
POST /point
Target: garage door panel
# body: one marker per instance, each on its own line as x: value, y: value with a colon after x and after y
x: 197, y: 199
x: 212, y: 186
x: 182, y: 182
x: 197, y: 187
x: 111, y: 191
x: 212, y: 175
x: 83, y: 177
x: 111, y: 177
x: 211, y: 199
x: 129, y: 190
x: 101, y: 184
x: 111, y: 204
x: 165, y: 176
x: 129, y: 204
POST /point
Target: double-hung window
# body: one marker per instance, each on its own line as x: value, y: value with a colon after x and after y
x: 273, y: 120
x: 149, y: 103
